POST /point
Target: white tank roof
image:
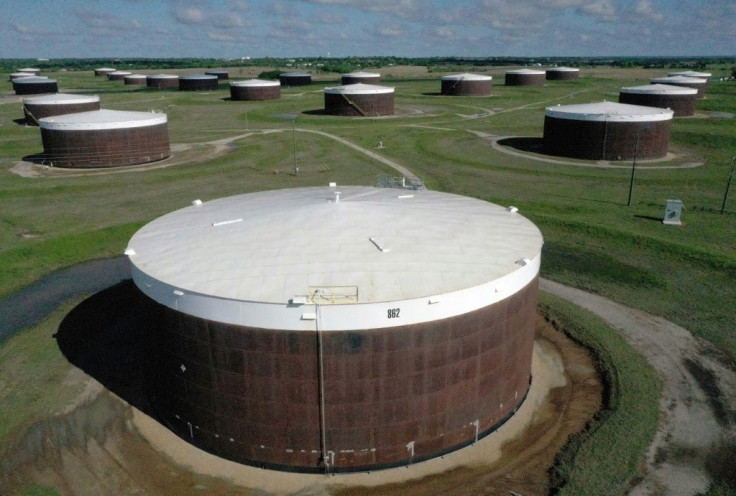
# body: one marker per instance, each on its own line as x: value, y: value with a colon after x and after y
x: 659, y: 89
x: 101, y: 119
x: 526, y: 71
x: 255, y: 254
x: 29, y: 69
x: 255, y: 83
x: 162, y: 76
x: 362, y: 74
x: 466, y: 77
x: 359, y: 89
x: 677, y: 79
x: 23, y: 74
x: 295, y: 74
x: 33, y: 80
x: 609, y: 111
x: 136, y: 76
x: 101, y: 69
x: 208, y: 77
x: 694, y: 74
x: 120, y: 73
x: 60, y: 99
x: 564, y: 69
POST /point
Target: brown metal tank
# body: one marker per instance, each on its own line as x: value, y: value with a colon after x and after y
x: 295, y: 78
x: 135, y: 79
x: 162, y: 81
x: 34, y: 85
x: 221, y: 74
x: 104, y: 71
x: 255, y: 89
x: 562, y: 73
x: 198, y: 82
x: 117, y: 75
x: 104, y: 138
x: 607, y: 131
x: 360, y: 77
x: 466, y: 85
x: 679, y: 99
x: 38, y: 107
x: 360, y: 100
x: 396, y: 329
x: 525, y: 77
x: 686, y: 82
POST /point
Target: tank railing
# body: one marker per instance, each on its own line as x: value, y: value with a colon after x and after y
x: 399, y: 182
x: 330, y: 295
x: 352, y: 103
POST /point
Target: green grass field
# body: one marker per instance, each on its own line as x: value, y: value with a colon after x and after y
x: 593, y: 241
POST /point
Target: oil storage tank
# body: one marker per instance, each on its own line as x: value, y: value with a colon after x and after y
x: 162, y: 81
x: 397, y: 328
x: 255, y: 89
x: 678, y: 98
x: 220, y: 73
x: 466, y: 85
x: 38, y: 107
x: 693, y: 74
x: 198, y: 82
x: 367, y: 100
x: 104, y: 71
x: 118, y: 75
x: 34, y: 85
x: 524, y: 77
x: 295, y: 78
x: 361, y: 77
x: 135, y: 79
x: 607, y: 131
x: 104, y: 138
x: 562, y: 73
x: 686, y: 82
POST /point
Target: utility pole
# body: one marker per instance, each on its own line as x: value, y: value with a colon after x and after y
x: 633, y: 169
x: 728, y: 185
x: 293, y: 136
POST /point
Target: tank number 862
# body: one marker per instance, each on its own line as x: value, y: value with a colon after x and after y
x: 393, y: 313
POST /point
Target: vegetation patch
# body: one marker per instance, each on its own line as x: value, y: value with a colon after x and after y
x: 604, y: 458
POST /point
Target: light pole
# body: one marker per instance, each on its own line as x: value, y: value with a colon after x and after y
x: 728, y: 185
x: 633, y: 169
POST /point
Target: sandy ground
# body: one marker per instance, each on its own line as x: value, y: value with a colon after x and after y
x: 694, y: 426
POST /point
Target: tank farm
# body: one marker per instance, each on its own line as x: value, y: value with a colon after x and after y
x: 399, y: 328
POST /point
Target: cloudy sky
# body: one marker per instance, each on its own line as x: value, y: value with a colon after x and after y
x: 411, y: 28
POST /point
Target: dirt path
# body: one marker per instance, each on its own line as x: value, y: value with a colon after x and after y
x: 694, y: 425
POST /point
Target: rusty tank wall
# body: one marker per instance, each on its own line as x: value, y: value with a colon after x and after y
x: 295, y: 80
x: 605, y: 140
x: 162, y: 83
x: 115, y: 77
x: 390, y: 396
x: 524, y: 79
x: 135, y: 80
x: 197, y: 84
x: 255, y: 92
x: 220, y: 74
x: 553, y: 75
x: 466, y: 88
x: 34, y: 112
x: 681, y: 105
x: 362, y: 105
x: 35, y: 88
x: 106, y: 147
x: 346, y: 80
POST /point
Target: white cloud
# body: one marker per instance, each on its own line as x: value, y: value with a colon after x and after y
x: 190, y: 15
x: 645, y: 9
x: 220, y: 36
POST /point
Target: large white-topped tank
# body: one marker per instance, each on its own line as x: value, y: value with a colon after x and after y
x: 255, y: 89
x: 359, y: 100
x: 466, y: 85
x: 680, y: 99
x: 525, y: 77
x: 104, y: 138
x: 686, y: 82
x: 338, y: 328
x: 363, y: 77
x: 607, y: 131
x: 38, y: 107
